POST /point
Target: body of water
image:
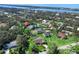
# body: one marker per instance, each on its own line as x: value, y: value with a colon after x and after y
x: 46, y: 5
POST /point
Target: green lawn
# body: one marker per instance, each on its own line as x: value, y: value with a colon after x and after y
x: 58, y: 41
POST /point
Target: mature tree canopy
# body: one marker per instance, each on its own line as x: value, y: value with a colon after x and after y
x: 4, y: 36
x: 22, y: 40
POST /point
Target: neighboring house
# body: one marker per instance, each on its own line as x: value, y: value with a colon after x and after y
x: 39, y: 41
x: 3, y: 24
x: 13, y: 27
x: 67, y: 32
x: 26, y: 23
x: 39, y: 30
x: 45, y: 21
x: 67, y: 19
x: 51, y: 27
x: 30, y: 27
x: 39, y: 19
x: 12, y: 44
x: 69, y: 27
x: 77, y: 17
x: 77, y: 32
x: 78, y: 29
x: 57, y: 14
x: 9, y: 15
x: 6, y: 13
x: 47, y: 34
x: 62, y: 35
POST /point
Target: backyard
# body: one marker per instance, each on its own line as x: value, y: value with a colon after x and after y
x: 58, y: 41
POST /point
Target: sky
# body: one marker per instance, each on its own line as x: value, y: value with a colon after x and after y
x: 39, y: 1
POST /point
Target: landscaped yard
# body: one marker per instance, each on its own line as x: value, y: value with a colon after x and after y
x: 58, y: 41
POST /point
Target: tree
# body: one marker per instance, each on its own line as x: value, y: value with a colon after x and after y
x: 13, y: 51
x: 65, y: 51
x: 23, y: 43
x: 14, y: 33
x: 18, y: 50
x: 22, y: 50
x: 12, y: 22
x: 34, y: 48
x: 76, y: 49
x: 4, y: 36
x: 5, y: 28
x: 22, y: 40
x: 52, y: 48
x: 23, y: 30
x: 1, y: 52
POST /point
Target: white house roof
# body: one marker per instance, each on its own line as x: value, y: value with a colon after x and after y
x: 12, y: 44
x: 78, y: 29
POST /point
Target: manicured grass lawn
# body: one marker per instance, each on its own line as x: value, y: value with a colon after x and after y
x: 58, y: 41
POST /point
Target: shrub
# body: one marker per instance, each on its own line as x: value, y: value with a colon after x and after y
x: 13, y: 51
x: 52, y: 48
x: 1, y: 52
x: 66, y: 51
x: 4, y: 36
x: 75, y: 49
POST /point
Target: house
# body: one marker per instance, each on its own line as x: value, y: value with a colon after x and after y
x: 30, y: 27
x: 77, y: 32
x: 6, y: 13
x: 36, y: 11
x: 13, y: 27
x: 26, y: 23
x: 3, y: 24
x: 57, y: 14
x: 50, y: 25
x: 44, y: 21
x: 47, y: 34
x: 33, y: 31
x: 78, y: 29
x: 69, y: 27
x: 39, y: 41
x: 62, y: 35
x: 67, y: 19
x: 39, y: 30
x: 9, y: 15
x: 12, y: 44
x: 40, y: 19
x: 67, y: 32
x: 77, y: 17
